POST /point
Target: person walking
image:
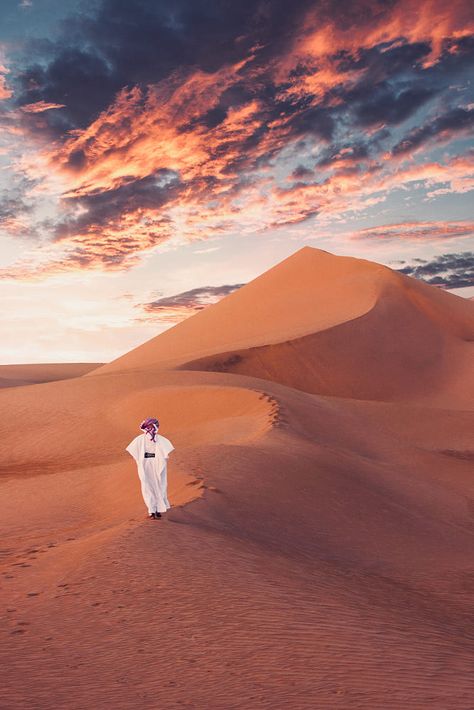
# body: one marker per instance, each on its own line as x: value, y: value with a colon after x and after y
x: 150, y: 451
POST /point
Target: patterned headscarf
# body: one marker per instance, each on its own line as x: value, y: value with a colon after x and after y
x: 150, y: 425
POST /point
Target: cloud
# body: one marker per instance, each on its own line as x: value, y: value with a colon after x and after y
x: 5, y: 91
x: 417, y: 231
x: 301, y: 172
x: 118, y: 45
x: 172, y: 309
x: 442, y: 129
x: 341, y: 155
x: 16, y: 208
x: 446, y: 270
x: 182, y: 119
x: 389, y: 107
x: 40, y: 106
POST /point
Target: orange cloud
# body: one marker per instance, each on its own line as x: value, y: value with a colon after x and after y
x: 431, y: 21
x: 40, y: 106
x: 324, y: 35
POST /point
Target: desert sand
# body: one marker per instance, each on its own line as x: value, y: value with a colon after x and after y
x: 318, y: 553
x: 18, y: 375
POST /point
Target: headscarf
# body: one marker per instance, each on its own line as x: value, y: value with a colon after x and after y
x: 150, y: 425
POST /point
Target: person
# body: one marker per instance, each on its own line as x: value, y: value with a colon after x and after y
x: 150, y: 451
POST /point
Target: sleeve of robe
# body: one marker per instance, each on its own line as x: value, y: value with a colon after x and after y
x: 166, y: 446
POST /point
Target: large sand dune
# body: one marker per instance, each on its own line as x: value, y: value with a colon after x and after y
x: 319, y: 549
x: 309, y: 291
x: 329, y: 325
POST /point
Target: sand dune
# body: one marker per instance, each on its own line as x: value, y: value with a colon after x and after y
x: 329, y: 325
x: 404, y: 348
x: 19, y: 375
x: 318, y: 552
x: 309, y: 291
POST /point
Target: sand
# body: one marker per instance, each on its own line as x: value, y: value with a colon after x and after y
x: 319, y: 549
x: 19, y: 375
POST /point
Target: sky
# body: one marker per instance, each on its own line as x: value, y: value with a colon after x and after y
x: 156, y: 155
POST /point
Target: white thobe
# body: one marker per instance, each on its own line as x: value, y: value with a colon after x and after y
x: 152, y: 471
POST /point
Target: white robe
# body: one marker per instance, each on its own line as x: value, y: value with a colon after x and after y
x: 152, y: 471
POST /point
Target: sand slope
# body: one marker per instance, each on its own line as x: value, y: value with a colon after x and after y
x: 317, y: 555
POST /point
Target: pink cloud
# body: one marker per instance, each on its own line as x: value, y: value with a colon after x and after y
x: 417, y: 231
x: 5, y: 91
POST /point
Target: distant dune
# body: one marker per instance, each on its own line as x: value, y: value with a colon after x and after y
x: 19, y: 375
x: 318, y: 553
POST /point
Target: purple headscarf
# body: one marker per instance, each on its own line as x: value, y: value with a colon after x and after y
x: 150, y: 425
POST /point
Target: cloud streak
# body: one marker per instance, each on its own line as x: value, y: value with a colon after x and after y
x: 417, y: 231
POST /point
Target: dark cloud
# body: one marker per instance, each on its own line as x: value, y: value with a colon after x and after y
x: 344, y: 151
x: 100, y: 208
x: 458, y: 120
x: 382, y: 62
x: 301, y: 172
x: 446, y: 270
x: 395, y: 83
x: 316, y: 121
x: 78, y: 78
x: 122, y: 44
x: 178, y: 306
x: 389, y: 106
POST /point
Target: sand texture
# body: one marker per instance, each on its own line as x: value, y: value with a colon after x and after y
x: 318, y: 553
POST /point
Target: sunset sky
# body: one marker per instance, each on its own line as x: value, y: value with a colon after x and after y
x: 157, y: 154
